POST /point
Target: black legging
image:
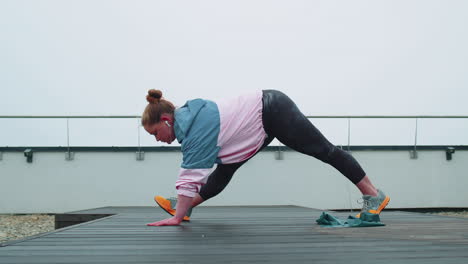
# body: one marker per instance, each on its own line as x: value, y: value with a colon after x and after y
x: 283, y: 120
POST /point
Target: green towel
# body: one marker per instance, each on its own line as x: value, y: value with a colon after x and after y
x: 365, y: 220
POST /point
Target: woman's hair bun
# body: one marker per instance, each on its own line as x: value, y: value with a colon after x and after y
x: 153, y: 96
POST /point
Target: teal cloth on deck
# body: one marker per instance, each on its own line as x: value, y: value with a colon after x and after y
x: 365, y: 220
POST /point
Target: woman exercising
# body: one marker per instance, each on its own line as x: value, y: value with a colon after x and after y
x: 232, y: 132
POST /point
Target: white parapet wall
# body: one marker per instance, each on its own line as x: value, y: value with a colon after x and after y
x: 50, y: 184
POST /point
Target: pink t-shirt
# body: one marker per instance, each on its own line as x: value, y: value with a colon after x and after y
x: 241, y: 136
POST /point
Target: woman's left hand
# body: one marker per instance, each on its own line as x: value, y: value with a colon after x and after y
x: 167, y: 222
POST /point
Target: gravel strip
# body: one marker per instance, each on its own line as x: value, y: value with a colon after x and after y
x: 457, y: 214
x: 13, y: 227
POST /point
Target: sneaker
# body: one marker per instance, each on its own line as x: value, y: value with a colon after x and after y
x: 169, y: 206
x: 374, y: 204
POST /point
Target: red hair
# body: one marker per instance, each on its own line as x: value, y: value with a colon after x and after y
x: 156, y: 107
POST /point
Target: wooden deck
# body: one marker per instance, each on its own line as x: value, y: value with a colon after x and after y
x: 246, y: 235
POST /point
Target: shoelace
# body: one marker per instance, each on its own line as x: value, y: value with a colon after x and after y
x: 366, y: 204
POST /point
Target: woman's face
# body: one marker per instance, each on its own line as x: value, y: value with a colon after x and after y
x: 162, y: 131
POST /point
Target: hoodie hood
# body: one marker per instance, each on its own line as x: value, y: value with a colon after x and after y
x: 184, y: 117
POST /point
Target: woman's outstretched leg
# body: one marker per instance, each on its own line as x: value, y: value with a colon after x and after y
x: 286, y: 122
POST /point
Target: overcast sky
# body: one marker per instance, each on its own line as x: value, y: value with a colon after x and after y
x: 375, y: 57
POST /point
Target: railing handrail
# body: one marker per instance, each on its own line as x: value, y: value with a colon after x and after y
x: 309, y: 116
x: 394, y: 116
x: 77, y: 116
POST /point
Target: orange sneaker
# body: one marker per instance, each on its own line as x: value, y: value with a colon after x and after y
x: 168, y: 205
x: 374, y: 204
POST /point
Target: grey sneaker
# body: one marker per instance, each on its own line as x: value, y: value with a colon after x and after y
x: 374, y: 204
x: 169, y: 205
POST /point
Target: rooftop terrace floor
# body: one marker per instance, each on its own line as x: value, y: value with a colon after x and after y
x: 276, y: 234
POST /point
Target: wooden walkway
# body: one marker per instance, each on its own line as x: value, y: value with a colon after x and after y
x: 285, y: 234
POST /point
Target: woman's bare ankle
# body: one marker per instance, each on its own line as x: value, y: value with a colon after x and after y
x: 197, y: 200
x: 366, y: 187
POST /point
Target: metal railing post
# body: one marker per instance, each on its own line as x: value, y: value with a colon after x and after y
x: 68, y: 155
x: 414, y: 152
x: 349, y: 134
x: 349, y: 151
x: 279, y: 155
x: 140, y: 155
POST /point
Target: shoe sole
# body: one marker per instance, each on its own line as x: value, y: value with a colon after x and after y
x: 166, y: 206
x: 381, y: 207
x: 383, y: 204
